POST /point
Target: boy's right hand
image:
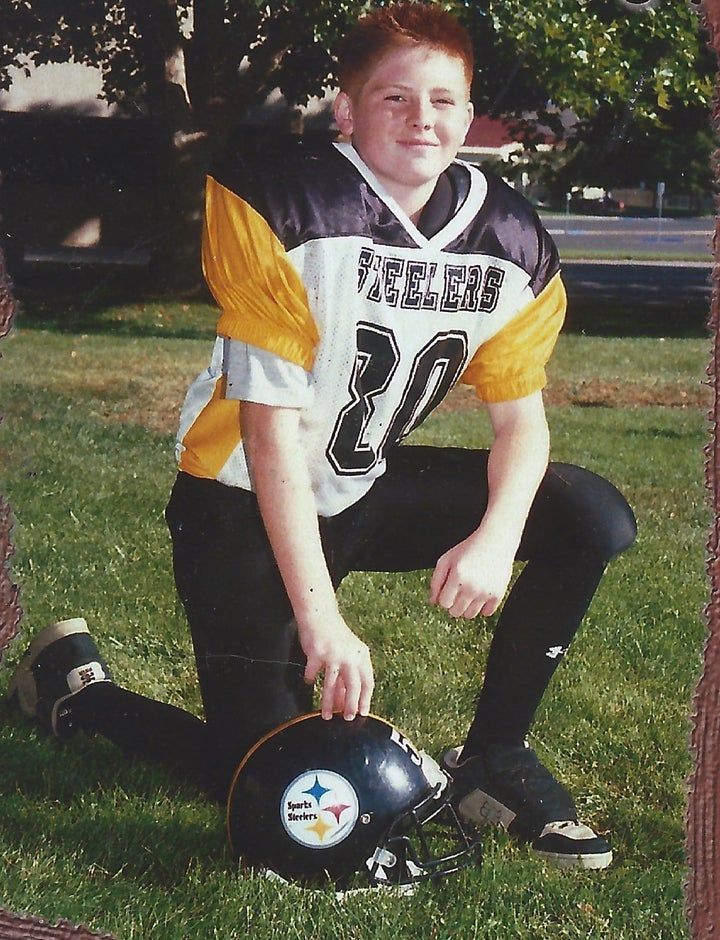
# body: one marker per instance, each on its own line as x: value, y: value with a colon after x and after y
x: 287, y: 503
x: 344, y: 660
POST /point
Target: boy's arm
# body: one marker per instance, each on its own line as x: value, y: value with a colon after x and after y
x: 472, y: 577
x: 287, y: 505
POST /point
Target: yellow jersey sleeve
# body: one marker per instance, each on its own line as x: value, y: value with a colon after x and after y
x: 262, y: 296
x: 512, y: 363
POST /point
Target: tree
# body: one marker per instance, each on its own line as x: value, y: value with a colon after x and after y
x: 614, y: 151
x: 640, y: 96
x: 580, y: 53
x: 196, y: 67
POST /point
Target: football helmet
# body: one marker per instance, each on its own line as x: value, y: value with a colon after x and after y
x: 317, y: 801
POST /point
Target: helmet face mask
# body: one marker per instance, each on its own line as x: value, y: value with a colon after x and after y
x: 318, y: 802
x: 429, y: 841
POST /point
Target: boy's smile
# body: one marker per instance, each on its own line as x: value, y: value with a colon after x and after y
x: 408, y: 120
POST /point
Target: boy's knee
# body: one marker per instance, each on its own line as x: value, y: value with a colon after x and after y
x: 604, y: 523
x: 621, y: 526
x: 612, y: 526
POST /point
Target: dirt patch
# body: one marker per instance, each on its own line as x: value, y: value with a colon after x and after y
x: 596, y: 393
x: 160, y: 413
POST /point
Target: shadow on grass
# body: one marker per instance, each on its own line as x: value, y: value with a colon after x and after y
x: 123, y: 301
x: 110, y: 300
x: 125, y: 817
x: 652, y: 320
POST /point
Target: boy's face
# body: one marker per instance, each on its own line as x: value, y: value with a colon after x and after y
x: 408, y: 120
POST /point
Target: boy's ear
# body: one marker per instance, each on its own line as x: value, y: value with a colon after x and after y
x: 471, y: 114
x: 343, y: 113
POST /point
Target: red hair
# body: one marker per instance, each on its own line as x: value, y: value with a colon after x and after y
x: 399, y: 24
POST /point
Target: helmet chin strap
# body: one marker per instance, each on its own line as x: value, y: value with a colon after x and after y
x: 383, y: 870
x: 381, y: 865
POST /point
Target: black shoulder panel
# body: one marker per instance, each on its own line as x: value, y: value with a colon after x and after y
x: 304, y: 188
x: 508, y: 227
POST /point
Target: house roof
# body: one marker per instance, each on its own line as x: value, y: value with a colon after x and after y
x: 488, y: 132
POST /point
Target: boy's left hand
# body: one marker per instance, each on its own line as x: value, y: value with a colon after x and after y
x: 472, y: 577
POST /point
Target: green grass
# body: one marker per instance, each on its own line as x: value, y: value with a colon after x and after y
x: 600, y: 254
x: 86, y: 461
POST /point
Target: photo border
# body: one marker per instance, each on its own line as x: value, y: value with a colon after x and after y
x: 702, y: 889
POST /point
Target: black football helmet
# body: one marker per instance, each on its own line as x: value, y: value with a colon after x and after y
x: 317, y: 801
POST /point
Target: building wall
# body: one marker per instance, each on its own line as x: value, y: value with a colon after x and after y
x: 76, y: 182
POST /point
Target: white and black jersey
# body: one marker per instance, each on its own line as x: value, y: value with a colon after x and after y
x: 375, y: 318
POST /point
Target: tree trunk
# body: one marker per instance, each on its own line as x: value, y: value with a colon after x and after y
x: 703, y: 814
x: 10, y: 609
x: 181, y: 147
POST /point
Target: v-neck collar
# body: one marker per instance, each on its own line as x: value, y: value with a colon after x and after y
x: 455, y: 225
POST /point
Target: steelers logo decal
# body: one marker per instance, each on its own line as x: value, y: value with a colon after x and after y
x: 319, y: 809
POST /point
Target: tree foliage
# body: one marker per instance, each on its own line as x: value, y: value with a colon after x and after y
x: 216, y: 57
x: 582, y: 53
x: 228, y: 54
x: 198, y: 66
x: 638, y: 84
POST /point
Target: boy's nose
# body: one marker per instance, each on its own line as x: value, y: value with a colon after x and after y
x: 420, y: 114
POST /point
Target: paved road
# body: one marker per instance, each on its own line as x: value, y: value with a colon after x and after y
x: 641, y: 236
x: 669, y: 295
x: 655, y: 283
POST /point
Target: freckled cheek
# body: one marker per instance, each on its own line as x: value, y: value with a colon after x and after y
x: 453, y: 139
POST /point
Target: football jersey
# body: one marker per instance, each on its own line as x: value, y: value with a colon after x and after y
x: 311, y: 260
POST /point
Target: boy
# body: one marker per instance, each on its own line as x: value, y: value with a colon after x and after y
x: 358, y: 283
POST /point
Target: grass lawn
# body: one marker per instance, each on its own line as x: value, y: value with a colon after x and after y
x: 86, y: 459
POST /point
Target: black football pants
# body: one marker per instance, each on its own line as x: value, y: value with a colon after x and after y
x: 250, y: 664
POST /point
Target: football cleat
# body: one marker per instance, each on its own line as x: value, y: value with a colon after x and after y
x: 61, y: 661
x: 509, y: 787
x: 318, y: 802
